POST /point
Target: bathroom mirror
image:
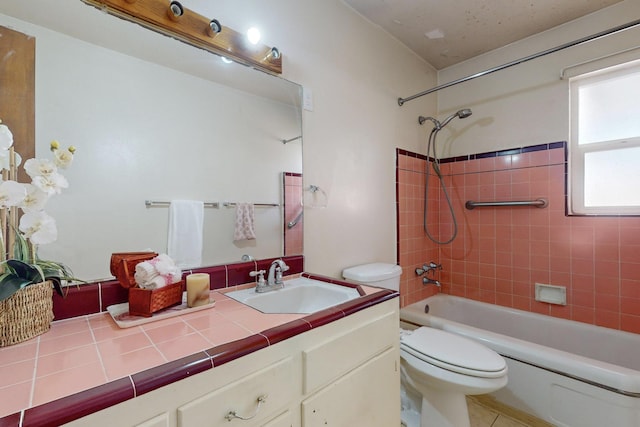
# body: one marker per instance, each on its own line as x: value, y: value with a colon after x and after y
x: 154, y: 119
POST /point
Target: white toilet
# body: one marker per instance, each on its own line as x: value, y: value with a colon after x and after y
x: 440, y: 366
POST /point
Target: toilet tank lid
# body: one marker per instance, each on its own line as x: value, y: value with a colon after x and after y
x: 372, y: 272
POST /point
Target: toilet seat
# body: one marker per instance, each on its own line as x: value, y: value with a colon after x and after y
x: 453, y: 353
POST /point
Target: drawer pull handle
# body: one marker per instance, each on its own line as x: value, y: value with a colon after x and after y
x: 233, y: 414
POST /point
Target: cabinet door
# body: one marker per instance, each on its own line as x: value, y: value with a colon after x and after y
x: 256, y: 397
x: 367, y: 396
x: 331, y: 359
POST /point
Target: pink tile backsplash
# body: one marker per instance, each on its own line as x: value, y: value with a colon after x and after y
x: 500, y: 253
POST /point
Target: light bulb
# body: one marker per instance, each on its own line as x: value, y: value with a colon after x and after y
x: 253, y: 34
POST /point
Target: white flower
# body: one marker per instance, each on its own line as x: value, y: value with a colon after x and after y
x: 63, y: 158
x: 6, y: 138
x: 39, y: 167
x: 11, y: 193
x: 50, y: 184
x: 39, y: 227
x: 35, y: 199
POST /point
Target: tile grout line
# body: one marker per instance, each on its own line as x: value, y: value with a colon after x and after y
x: 35, y: 371
x: 96, y: 348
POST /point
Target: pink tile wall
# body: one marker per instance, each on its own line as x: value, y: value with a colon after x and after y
x: 414, y: 249
x: 292, y: 208
x: 500, y: 253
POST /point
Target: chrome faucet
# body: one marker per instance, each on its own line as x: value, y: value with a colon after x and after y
x: 432, y: 267
x: 428, y: 281
x: 274, y: 279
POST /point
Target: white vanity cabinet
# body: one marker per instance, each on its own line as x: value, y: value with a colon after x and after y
x: 344, y: 373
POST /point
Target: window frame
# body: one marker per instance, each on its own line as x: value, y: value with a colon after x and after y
x: 578, y: 152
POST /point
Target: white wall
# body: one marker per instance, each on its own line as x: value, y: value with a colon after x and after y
x: 527, y: 104
x: 356, y: 72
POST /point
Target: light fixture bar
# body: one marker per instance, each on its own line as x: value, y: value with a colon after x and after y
x: 193, y: 29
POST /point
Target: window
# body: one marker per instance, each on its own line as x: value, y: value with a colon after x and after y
x: 605, y: 142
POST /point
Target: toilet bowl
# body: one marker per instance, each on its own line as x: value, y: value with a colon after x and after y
x: 439, y: 367
x: 443, y: 368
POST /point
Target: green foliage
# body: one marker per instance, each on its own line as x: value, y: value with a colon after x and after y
x: 26, y: 269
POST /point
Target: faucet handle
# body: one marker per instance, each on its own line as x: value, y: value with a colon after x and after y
x: 434, y: 266
x: 257, y: 273
x: 260, y: 274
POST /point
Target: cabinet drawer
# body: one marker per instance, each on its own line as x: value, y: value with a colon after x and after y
x: 334, y: 358
x: 274, y: 383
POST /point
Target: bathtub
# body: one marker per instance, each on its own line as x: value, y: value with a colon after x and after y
x: 564, y: 372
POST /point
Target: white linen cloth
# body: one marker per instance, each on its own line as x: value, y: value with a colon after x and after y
x: 157, y: 273
x: 186, y: 226
x: 244, y: 229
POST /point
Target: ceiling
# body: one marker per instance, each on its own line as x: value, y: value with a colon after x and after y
x: 445, y: 32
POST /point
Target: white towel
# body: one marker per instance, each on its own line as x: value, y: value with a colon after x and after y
x: 186, y: 219
x: 244, y: 222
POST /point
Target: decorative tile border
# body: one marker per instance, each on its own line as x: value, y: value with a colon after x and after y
x: 96, y: 297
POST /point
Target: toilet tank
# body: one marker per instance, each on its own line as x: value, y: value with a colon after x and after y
x: 379, y: 274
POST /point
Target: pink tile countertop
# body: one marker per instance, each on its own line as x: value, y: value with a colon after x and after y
x: 88, y: 356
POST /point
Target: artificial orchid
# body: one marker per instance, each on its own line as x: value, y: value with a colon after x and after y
x: 20, y: 264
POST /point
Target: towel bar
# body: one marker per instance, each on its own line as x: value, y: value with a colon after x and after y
x: 272, y: 205
x: 156, y: 203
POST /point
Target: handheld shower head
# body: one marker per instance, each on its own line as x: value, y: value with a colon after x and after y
x: 461, y: 114
x: 464, y: 113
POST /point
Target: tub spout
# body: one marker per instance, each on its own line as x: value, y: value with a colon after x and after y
x: 427, y: 281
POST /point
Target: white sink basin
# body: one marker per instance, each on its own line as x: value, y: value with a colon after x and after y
x: 300, y: 295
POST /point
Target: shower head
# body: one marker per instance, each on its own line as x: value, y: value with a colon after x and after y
x: 462, y: 114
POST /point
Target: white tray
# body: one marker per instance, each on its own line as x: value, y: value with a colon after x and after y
x: 120, y: 313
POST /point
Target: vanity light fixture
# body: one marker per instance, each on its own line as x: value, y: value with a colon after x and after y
x: 214, y: 27
x: 174, y: 20
x: 253, y: 35
x: 274, y: 53
x: 175, y: 10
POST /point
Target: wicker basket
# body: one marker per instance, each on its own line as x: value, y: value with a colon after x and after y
x: 26, y: 314
x: 145, y: 302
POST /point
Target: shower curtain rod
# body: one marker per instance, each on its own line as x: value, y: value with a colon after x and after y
x: 401, y: 101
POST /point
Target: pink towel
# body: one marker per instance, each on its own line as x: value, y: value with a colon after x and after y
x: 244, y: 222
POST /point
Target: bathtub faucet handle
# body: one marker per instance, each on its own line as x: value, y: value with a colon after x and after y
x: 426, y: 268
x: 434, y: 266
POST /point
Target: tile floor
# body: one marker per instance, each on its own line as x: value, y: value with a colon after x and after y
x: 484, y: 411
